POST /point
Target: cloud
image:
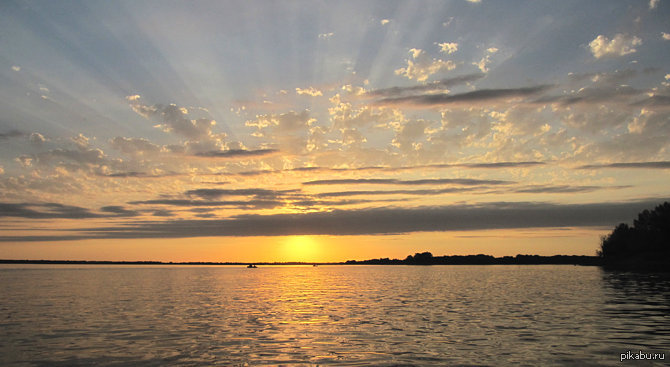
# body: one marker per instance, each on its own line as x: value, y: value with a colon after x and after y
x: 390, y: 181
x: 439, y: 85
x: 325, y: 36
x: 311, y: 91
x: 483, y: 64
x: 562, y: 189
x: 494, y: 165
x: 119, y: 211
x: 177, y: 120
x: 482, y: 95
x: 237, y: 153
x: 37, y: 138
x: 620, y: 45
x: 16, y: 68
x: 665, y: 36
x: 134, y: 146
x: 384, y: 21
x: 448, y: 47
x: 645, y: 165
x: 11, y: 134
x: 239, y: 204
x: 45, y: 211
x: 217, y: 193
x: 421, y: 66
x: 429, y: 192
x: 653, y: 4
x: 378, y: 221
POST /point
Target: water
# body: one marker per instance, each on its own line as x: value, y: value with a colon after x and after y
x: 71, y: 315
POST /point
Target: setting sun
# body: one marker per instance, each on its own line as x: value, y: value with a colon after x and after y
x: 301, y: 248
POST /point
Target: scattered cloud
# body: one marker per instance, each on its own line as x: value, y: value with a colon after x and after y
x: 384, y: 21
x: 16, y: 68
x: 665, y: 36
x: 311, y: 91
x: 619, y: 45
x: 237, y: 153
x: 448, y: 47
x: 325, y: 36
x: 198, y: 132
x: 421, y: 66
x: 37, y: 138
x: 483, y: 64
x: 653, y: 4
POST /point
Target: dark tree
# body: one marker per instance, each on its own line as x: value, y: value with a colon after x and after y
x: 644, y: 246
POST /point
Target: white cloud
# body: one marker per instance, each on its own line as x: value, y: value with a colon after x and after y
x: 37, y: 138
x: 448, y: 47
x: 16, y: 68
x: 492, y: 50
x: 137, y: 146
x: 81, y: 141
x: 483, y: 63
x: 653, y: 4
x: 665, y: 36
x: 422, y: 66
x: 620, y: 45
x: 311, y: 91
x: 325, y: 36
x: 174, y: 119
x: 478, y: 1
x: 2, y: 170
x: 384, y: 21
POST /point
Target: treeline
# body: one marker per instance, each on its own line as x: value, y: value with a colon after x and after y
x: 426, y: 258
x: 645, y: 246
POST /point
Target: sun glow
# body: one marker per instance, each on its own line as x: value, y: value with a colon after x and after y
x: 301, y: 248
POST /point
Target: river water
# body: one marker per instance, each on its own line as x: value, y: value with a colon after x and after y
x: 114, y: 315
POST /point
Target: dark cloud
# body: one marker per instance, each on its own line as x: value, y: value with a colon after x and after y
x: 235, y: 153
x: 475, y: 96
x: 563, y: 189
x: 389, y: 181
x: 652, y: 165
x: 379, y: 221
x: 119, y: 211
x: 654, y: 101
x: 217, y: 193
x: 11, y: 134
x: 434, y: 86
x: 137, y: 174
x: 240, y: 204
x: 394, y: 192
x: 592, y: 95
x: 495, y: 165
x: 45, y: 211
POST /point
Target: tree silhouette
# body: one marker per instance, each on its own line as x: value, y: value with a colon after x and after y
x: 644, y: 246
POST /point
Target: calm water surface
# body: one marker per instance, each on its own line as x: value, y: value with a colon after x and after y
x: 346, y: 315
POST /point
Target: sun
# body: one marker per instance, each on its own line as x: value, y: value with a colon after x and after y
x: 301, y: 248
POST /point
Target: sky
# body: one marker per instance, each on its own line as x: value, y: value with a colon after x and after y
x: 328, y: 131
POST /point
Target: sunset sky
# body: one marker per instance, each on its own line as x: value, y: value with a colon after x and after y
x: 327, y: 131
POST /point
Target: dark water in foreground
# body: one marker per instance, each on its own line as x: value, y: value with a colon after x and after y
x: 346, y: 315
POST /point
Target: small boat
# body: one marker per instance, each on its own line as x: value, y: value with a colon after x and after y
x: 251, y: 266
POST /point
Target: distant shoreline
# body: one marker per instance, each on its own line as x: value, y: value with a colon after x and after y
x: 441, y: 260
